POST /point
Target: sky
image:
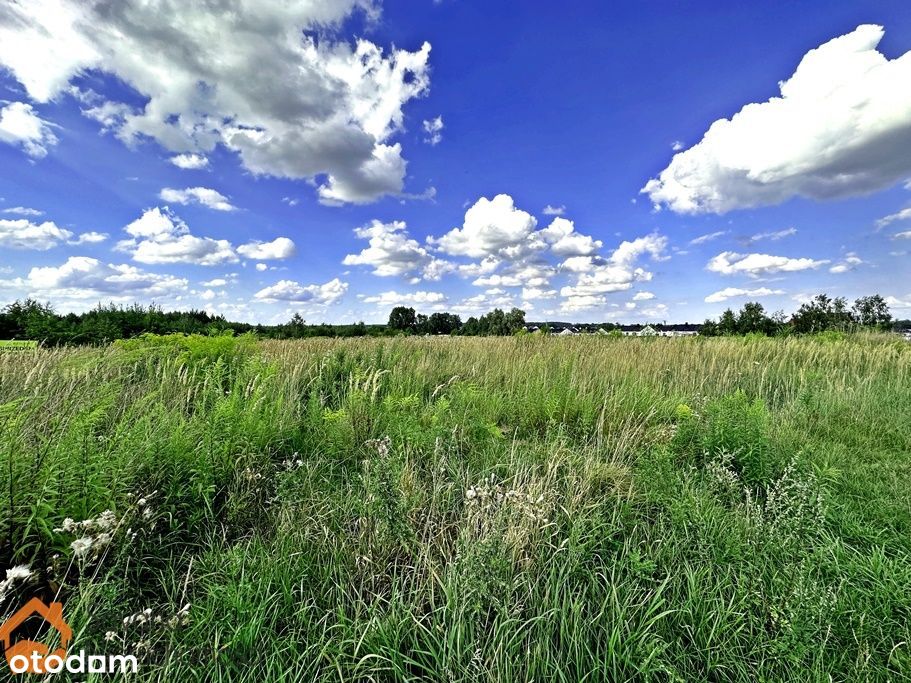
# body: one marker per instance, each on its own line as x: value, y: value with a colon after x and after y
x: 626, y: 162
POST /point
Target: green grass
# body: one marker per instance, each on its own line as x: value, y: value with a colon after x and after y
x: 461, y: 509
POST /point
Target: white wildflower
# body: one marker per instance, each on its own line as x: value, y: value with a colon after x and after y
x: 81, y: 546
x: 18, y: 573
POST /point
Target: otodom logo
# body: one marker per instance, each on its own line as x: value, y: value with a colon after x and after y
x: 27, y: 656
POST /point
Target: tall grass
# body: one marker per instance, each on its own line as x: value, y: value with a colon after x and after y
x: 465, y: 509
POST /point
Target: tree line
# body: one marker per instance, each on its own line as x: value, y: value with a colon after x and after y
x: 497, y: 323
x: 821, y: 314
x: 33, y: 320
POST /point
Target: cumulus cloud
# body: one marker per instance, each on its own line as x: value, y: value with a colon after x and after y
x: 189, y: 161
x: 271, y: 81
x: 294, y: 292
x: 391, y: 252
x: 492, y: 227
x: 565, y: 241
x: 277, y: 249
x: 22, y: 233
x: 433, y: 131
x: 83, y: 278
x: 159, y: 236
x: 841, y: 127
x: 553, y: 210
x: 393, y: 298
x: 597, y: 276
x: 902, y: 235
x: 204, y: 196
x: 754, y: 265
x: 736, y: 292
x: 895, y: 302
x: 643, y: 296
x: 20, y: 125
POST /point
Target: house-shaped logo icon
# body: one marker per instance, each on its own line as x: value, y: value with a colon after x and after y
x: 31, y: 650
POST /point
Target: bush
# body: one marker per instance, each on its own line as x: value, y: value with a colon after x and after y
x: 731, y: 425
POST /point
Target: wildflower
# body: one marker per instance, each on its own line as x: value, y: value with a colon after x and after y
x: 106, y: 520
x: 81, y: 546
x: 102, y: 539
x: 69, y: 526
x: 110, y: 636
x: 18, y: 573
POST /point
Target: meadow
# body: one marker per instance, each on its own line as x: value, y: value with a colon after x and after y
x: 467, y: 509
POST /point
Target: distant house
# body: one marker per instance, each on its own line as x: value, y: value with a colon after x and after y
x: 567, y: 332
x: 648, y: 331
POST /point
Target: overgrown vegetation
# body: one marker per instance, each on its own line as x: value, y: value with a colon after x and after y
x: 821, y: 314
x: 459, y: 509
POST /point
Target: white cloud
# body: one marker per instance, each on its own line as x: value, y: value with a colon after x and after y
x: 159, y: 236
x: 277, y: 249
x: 702, y: 239
x: 288, y: 290
x: 598, y: 276
x: 534, y: 293
x: 773, y: 236
x: 565, y: 241
x: 842, y: 126
x: 643, y: 296
x: 23, y: 211
x: 736, y: 292
x: 903, y: 215
x: 204, y: 196
x: 497, y: 280
x: 850, y: 262
x: 492, y: 227
x: 262, y: 267
x: 82, y: 277
x: 391, y: 252
x: 677, y: 145
x: 272, y: 81
x: 902, y: 235
x: 89, y: 238
x: 216, y: 282
x: 189, y: 161
x: 895, y: 302
x: 553, y: 210
x: 21, y: 126
x: 433, y: 130
x: 393, y: 298
x: 731, y: 263
x: 21, y: 233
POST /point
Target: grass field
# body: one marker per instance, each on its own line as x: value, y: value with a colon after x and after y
x: 468, y: 509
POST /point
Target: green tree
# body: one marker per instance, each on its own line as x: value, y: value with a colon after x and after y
x: 402, y: 318
x: 872, y: 311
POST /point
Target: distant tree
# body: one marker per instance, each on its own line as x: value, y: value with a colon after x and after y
x: 443, y: 323
x: 402, y: 318
x: 727, y: 325
x: 872, y: 311
x: 820, y: 314
x: 709, y: 328
x: 472, y: 327
x: 514, y: 320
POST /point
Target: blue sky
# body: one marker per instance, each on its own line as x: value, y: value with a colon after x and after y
x: 593, y: 162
